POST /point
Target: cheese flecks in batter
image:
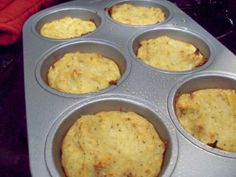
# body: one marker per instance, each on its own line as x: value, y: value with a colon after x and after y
x: 169, y: 54
x: 210, y: 116
x: 114, y: 144
x: 67, y: 27
x: 80, y: 73
x: 136, y: 15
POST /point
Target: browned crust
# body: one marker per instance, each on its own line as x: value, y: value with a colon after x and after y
x: 213, y: 145
x: 113, y: 82
x: 111, y: 9
x: 202, y: 62
x: 164, y: 155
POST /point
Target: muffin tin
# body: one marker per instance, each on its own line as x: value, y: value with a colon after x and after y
x: 143, y: 89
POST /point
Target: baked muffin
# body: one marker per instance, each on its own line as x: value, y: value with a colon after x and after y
x: 210, y: 116
x: 169, y: 54
x: 67, y: 27
x: 78, y: 73
x: 136, y: 15
x: 114, y: 144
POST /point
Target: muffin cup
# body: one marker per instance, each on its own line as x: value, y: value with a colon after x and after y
x: 184, y: 35
x: 104, y: 48
x: 163, y: 6
x: 205, y: 80
x: 109, y: 103
x: 82, y: 13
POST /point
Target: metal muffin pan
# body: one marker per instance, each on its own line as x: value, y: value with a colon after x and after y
x: 110, y: 103
x: 102, y: 47
x: 143, y: 89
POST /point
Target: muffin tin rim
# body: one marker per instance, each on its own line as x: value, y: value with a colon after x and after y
x: 179, y: 127
x: 54, y: 127
x: 59, y: 47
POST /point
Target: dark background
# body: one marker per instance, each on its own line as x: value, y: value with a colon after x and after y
x: 216, y: 16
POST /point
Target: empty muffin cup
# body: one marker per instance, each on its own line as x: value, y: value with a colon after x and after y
x: 172, y: 50
x: 82, y: 68
x: 67, y: 23
x: 198, y: 101
x: 118, y: 103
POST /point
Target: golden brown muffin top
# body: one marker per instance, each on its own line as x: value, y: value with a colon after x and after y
x: 114, y: 144
x: 210, y: 116
x: 78, y: 73
x: 67, y: 27
x: 169, y: 54
x: 136, y: 14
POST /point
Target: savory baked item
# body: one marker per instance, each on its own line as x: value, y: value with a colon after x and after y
x: 78, y: 72
x: 114, y: 144
x: 67, y: 27
x: 210, y: 116
x: 136, y: 14
x: 170, y: 54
